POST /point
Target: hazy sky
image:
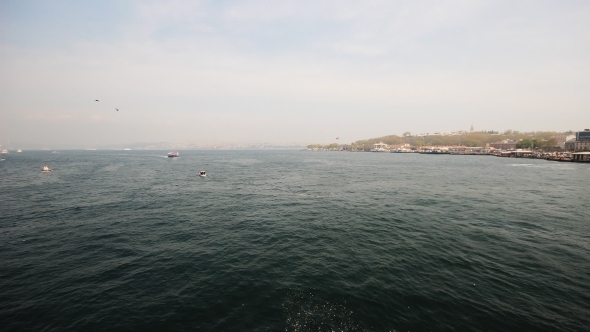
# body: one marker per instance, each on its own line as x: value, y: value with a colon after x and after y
x: 288, y: 71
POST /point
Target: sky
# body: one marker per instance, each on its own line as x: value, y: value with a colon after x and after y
x: 287, y: 71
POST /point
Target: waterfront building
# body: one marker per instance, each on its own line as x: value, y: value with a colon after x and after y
x: 520, y: 153
x: 580, y: 143
x: 504, y: 145
x: 583, y: 135
x: 398, y: 146
x: 380, y: 147
x: 581, y: 156
x: 562, y: 139
x: 582, y: 146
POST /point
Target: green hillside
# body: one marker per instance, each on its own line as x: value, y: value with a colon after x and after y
x: 473, y: 139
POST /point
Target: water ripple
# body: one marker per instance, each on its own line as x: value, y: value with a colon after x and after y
x: 293, y: 241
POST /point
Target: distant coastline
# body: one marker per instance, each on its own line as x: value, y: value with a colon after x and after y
x: 554, y: 146
x: 162, y: 146
x: 548, y: 140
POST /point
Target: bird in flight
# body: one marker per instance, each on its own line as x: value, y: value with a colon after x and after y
x: 96, y: 100
x: 117, y: 109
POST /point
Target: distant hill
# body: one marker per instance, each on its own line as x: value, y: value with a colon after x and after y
x: 471, y: 139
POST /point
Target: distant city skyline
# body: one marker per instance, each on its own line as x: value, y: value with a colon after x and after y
x: 291, y: 71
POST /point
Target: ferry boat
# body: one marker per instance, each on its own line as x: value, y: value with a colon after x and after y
x: 380, y: 147
x: 435, y: 151
x: 46, y: 169
x: 202, y: 174
x: 4, y: 151
x: 173, y: 154
x: 402, y: 150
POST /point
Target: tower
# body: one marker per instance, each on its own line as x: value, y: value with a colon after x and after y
x: 471, y: 130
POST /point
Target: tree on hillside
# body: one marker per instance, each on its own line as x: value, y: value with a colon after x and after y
x: 545, y: 144
x: 527, y: 143
x: 552, y: 142
x: 479, y: 138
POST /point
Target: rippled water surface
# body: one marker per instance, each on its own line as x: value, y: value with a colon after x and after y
x: 292, y: 241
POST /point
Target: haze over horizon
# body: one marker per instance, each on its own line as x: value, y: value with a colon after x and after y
x: 288, y: 71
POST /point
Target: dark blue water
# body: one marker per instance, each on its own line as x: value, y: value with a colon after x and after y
x: 292, y: 241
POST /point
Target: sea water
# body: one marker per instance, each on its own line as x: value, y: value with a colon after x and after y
x: 293, y: 241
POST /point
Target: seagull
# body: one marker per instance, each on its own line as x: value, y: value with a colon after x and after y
x: 117, y: 109
x: 96, y: 100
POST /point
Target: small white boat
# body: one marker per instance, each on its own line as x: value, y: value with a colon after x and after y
x: 173, y: 154
x: 19, y: 150
x: 202, y: 174
x: 46, y: 169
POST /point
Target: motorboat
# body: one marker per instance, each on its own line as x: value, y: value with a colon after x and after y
x: 202, y: 174
x: 19, y: 150
x: 46, y: 169
x: 173, y: 154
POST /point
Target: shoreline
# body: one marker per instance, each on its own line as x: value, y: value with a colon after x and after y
x: 579, y: 157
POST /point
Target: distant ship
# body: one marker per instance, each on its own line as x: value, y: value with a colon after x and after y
x: 435, y: 151
x: 173, y: 155
x: 4, y: 151
x: 46, y: 169
x: 19, y: 150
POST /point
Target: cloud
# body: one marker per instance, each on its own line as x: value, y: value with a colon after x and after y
x: 96, y: 117
x: 49, y: 117
x: 262, y: 62
x: 358, y: 49
x: 169, y: 10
